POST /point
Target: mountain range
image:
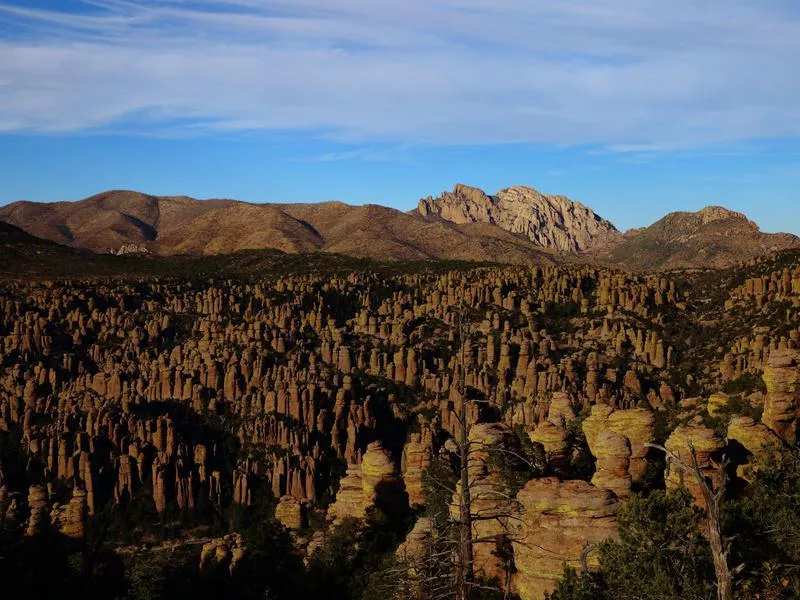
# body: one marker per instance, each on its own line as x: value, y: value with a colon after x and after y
x: 517, y: 225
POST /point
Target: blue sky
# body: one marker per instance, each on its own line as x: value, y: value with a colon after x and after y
x: 634, y: 107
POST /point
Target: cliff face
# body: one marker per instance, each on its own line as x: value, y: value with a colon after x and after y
x: 550, y: 221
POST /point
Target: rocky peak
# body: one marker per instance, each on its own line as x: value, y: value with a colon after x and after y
x: 550, y: 221
x: 709, y: 214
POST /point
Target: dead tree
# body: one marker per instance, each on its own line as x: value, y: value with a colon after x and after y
x: 463, y: 552
x: 445, y: 568
x: 713, y: 500
x: 465, y: 565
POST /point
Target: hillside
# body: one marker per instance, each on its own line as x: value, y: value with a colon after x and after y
x: 713, y: 237
x: 168, y: 226
x: 517, y: 226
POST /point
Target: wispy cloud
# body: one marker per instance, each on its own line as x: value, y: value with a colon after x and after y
x: 630, y: 75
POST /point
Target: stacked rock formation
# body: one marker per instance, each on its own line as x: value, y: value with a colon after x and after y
x: 692, y: 445
x: 617, y: 440
x: 782, y: 403
x: 290, y: 512
x: 372, y: 484
x: 226, y: 553
x: 417, y: 456
x: 490, y: 507
x: 559, y: 519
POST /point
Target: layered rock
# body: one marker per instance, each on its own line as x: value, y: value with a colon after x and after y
x: 689, y: 444
x: 372, y: 484
x: 782, y: 402
x: 417, y: 456
x: 414, y: 554
x: 490, y: 506
x: 757, y: 440
x: 39, y: 514
x: 290, y: 512
x: 558, y: 521
x: 617, y: 440
x: 74, y: 523
x: 223, y: 553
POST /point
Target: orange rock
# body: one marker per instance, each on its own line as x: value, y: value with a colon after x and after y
x: 558, y: 520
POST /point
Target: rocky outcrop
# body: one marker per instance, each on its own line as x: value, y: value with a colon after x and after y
x: 414, y: 553
x: 223, y: 553
x: 130, y: 249
x: 782, y: 402
x: 491, y: 508
x: 559, y: 519
x: 617, y: 440
x: 417, y: 456
x: 551, y: 432
x: 550, y: 221
x: 74, y: 524
x: 372, y: 484
x: 757, y: 440
x: 701, y: 441
x: 39, y: 514
x: 290, y: 513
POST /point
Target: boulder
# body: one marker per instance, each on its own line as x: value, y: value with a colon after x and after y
x: 558, y: 520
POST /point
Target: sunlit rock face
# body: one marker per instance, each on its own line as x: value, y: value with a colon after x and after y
x: 617, y: 440
x: 558, y: 520
x: 550, y: 221
x: 782, y: 403
x: 690, y: 443
x: 372, y: 484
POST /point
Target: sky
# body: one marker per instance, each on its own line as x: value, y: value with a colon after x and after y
x: 634, y: 107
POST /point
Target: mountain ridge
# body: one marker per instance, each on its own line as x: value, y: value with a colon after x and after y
x: 517, y: 225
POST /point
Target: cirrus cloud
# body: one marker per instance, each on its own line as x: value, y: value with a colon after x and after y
x: 623, y: 74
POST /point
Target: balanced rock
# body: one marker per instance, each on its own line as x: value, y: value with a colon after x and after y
x: 755, y: 438
x: 37, y: 504
x: 782, y: 402
x: 371, y: 484
x: 692, y: 444
x: 290, y: 513
x: 558, y: 519
x: 617, y: 440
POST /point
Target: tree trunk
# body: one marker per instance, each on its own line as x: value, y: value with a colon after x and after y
x: 719, y: 549
x: 713, y: 499
x: 464, y: 573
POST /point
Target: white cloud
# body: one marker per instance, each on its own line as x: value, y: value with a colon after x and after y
x: 626, y: 74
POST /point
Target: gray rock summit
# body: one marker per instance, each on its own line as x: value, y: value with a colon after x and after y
x: 550, y: 221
